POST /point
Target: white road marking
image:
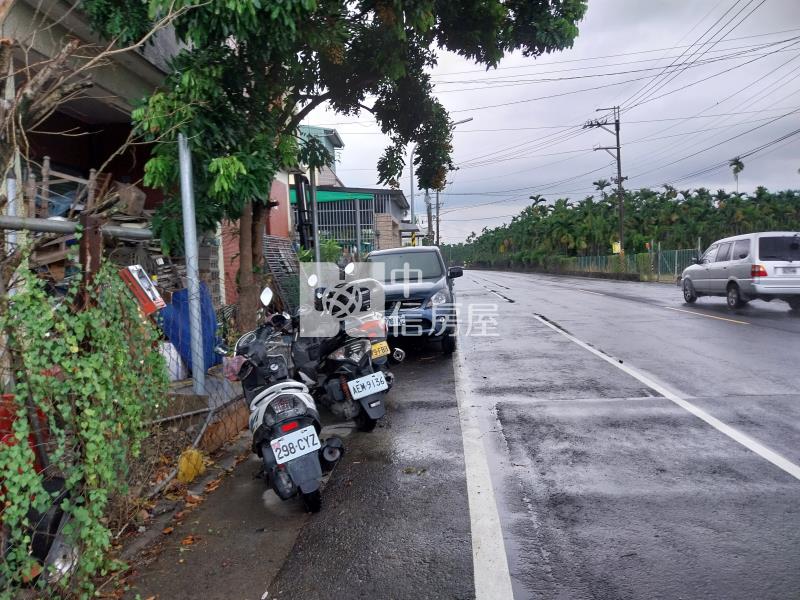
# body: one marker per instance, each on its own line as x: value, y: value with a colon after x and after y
x: 591, y: 292
x: 699, y: 314
x: 776, y: 459
x: 489, y: 562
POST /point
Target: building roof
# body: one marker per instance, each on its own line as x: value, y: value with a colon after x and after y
x: 397, y: 196
x: 333, y: 194
x: 329, y: 193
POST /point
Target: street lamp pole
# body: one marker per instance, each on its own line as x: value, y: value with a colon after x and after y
x: 411, y: 179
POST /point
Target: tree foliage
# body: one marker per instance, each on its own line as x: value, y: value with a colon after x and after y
x: 250, y: 70
x: 676, y: 218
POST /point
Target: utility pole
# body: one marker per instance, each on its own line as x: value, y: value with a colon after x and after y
x: 616, y: 154
x: 429, y: 209
x: 438, y: 206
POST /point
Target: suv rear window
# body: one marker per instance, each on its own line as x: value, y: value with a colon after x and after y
x: 785, y: 247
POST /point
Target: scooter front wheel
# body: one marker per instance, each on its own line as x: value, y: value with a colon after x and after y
x: 312, y: 502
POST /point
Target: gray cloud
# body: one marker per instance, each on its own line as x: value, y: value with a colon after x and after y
x: 501, y: 149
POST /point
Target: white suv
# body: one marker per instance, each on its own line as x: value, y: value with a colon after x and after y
x: 762, y: 266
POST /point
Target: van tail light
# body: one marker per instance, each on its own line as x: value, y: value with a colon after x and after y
x: 758, y: 271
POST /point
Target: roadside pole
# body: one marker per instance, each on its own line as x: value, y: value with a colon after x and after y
x: 358, y: 228
x: 438, y: 239
x: 315, y: 213
x: 11, y: 211
x: 192, y: 272
x: 411, y: 181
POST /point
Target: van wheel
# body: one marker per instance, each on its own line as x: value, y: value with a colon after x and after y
x: 795, y: 304
x: 689, y: 295
x: 734, y: 298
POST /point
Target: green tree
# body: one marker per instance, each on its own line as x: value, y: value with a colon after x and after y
x: 251, y: 70
x: 737, y: 166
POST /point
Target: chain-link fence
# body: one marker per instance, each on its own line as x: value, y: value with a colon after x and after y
x: 656, y: 265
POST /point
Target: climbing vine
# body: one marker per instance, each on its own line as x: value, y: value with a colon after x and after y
x: 91, y: 378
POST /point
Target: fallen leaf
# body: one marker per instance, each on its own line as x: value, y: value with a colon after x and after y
x: 189, y: 540
x: 167, y: 530
x: 212, y: 485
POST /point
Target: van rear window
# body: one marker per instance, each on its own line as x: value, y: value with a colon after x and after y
x: 785, y: 247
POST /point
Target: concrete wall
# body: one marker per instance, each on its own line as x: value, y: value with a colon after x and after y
x: 387, y: 230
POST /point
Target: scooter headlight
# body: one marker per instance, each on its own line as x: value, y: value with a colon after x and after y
x: 353, y: 351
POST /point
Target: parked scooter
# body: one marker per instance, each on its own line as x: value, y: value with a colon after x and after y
x: 349, y: 372
x: 283, y: 416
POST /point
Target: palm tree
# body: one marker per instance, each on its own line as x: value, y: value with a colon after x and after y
x: 737, y: 166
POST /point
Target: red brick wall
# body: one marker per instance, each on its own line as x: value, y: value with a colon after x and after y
x: 278, y: 225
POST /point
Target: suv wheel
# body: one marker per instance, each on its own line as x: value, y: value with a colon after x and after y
x: 795, y: 304
x: 689, y: 295
x: 448, y: 343
x: 734, y: 297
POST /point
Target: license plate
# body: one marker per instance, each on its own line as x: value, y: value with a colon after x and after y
x: 295, y: 444
x: 380, y: 349
x: 366, y: 386
x: 789, y: 270
x: 395, y: 320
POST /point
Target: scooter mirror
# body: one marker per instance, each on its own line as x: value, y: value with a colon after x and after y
x: 266, y: 296
x: 350, y: 268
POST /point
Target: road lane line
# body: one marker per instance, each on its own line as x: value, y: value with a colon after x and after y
x: 691, y: 312
x: 489, y: 562
x: 591, y: 292
x: 776, y: 459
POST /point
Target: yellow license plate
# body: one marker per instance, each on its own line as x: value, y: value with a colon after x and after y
x: 380, y: 349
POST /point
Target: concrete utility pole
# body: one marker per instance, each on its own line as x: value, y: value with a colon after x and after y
x: 429, y: 210
x: 616, y: 154
x: 411, y: 180
x: 438, y: 206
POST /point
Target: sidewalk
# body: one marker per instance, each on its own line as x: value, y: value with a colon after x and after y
x: 231, y: 546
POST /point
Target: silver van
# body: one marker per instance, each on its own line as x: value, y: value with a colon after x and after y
x: 756, y: 266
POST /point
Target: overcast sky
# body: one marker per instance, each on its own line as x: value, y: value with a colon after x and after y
x: 731, y: 81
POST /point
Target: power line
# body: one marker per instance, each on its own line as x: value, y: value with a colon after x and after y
x: 692, y: 45
x: 646, y: 96
x: 490, y: 84
x: 573, y: 60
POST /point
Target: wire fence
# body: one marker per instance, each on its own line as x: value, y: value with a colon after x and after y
x: 656, y: 265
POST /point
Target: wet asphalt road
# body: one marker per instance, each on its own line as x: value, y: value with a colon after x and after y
x: 602, y: 487
x: 605, y: 489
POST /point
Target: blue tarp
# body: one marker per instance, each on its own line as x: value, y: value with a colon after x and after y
x: 175, y: 324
